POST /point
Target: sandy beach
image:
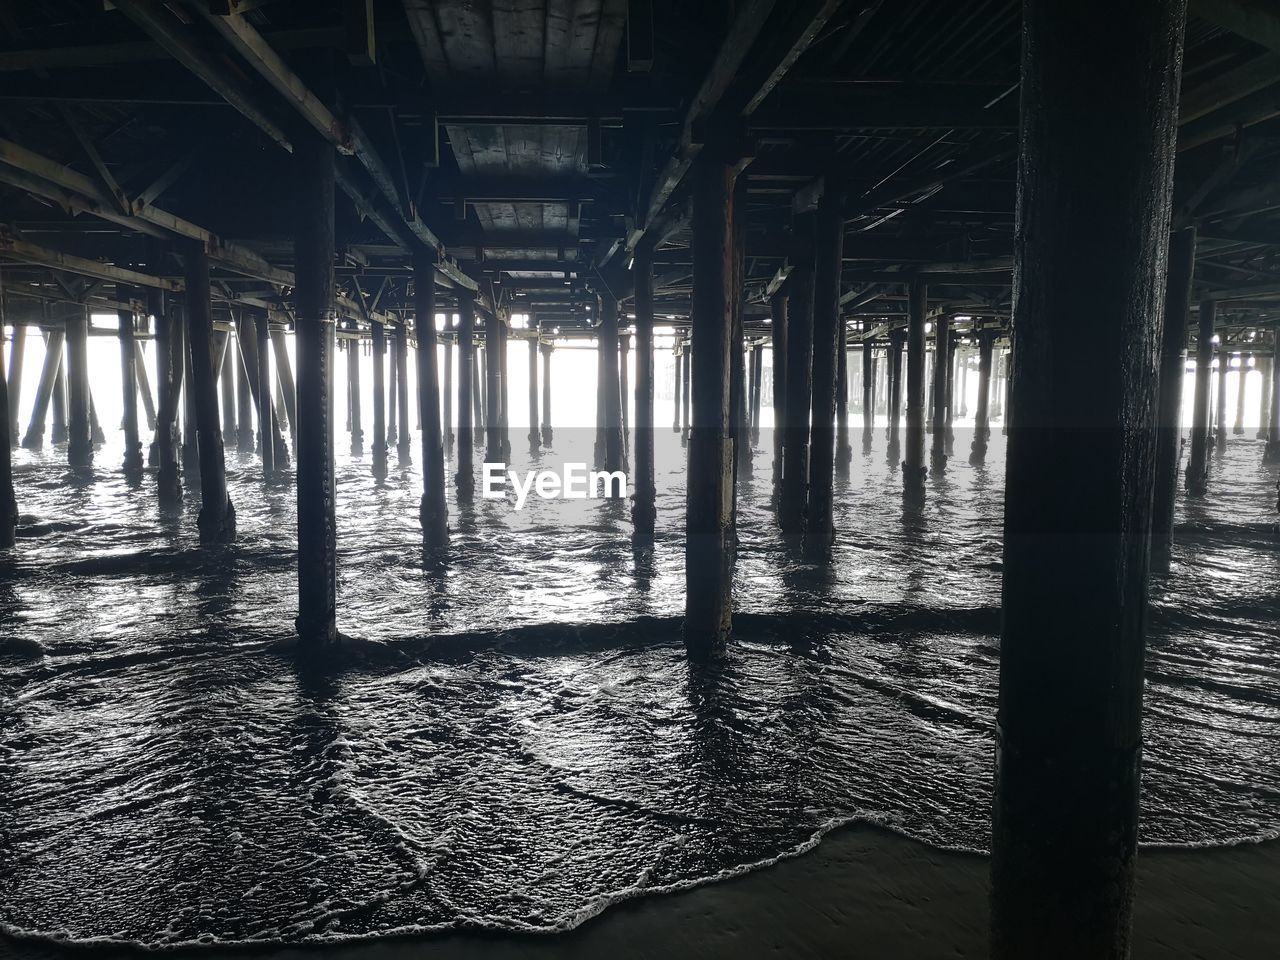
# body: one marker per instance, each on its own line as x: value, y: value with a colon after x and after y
x: 861, y: 893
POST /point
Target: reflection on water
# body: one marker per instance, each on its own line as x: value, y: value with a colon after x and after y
x: 526, y: 743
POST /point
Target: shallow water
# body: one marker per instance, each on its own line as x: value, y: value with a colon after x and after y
x: 526, y: 744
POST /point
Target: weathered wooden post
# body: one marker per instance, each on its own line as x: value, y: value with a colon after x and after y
x: 379, y: 446
x: 1198, y: 462
x: 679, y: 384
x: 1173, y: 363
x: 868, y: 393
x: 353, y: 391
x: 1264, y: 409
x: 168, y: 382
x: 217, y: 518
x: 1272, y: 452
x: 610, y: 391
x: 709, y: 535
x: 58, y: 432
x: 686, y: 396
x: 465, y: 478
x: 433, y: 512
x: 313, y: 245
x: 844, y: 451
x: 494, y: 452
x: 8, y: 498
x: 819, y: 531
x: 1220, y: 417
x: 244, y: 392
x: 190, y: 431
x: 1242, y: 379
x: 982, y: 420
x: 778, y: 346
x: 286, y: 387
x: 404, y: 442
x: 267, y: 426
x: 757, y: 371
x: 535, y: 434
x: 644, y: 508
x: 17, y: 351
x: 392, y: 389
x: 897, y: 338
x: 504, y: 400
x: 914, y: 470
x: 447, y: 423
x: 961, y: 400
x: 227, y: 383
x: 546, y: 394
x: 144, y: 385
x: 953, y: 352
x: 1081, y: 469
x: 795, y: 440
x: 941, y: 374
x: 479, y: 378
x: 129, y: 384
x: 624, y: 392
x: 79, y: 431
x: 34, y: 438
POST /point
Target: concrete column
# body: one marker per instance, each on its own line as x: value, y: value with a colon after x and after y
x: 913, y: 466
x: 709, y: 533
x: 795, y: 427
x: 404, y: 442
x: 1081, y: 469
x: 17, y: 351
x: 982, y: 420
x: 897, y: 339
x: 643, y: 507
x: 535, y: 434
x: 1242, y: 379
x: 546, y: 394
x: 217, y: 518
x: 941, y: 376
x: 466, y: 391
x: 609, y: 388
x: 819, y: 528
x: 267, y: 426
x: 1173, y: 364
x: 778, y: 345
x: 494, y: 452
x: 79, y: 430
x: 379, y: 446
x: 354, y: 399
x: 129, y: 385
x: 34, y: 439
x: 433, y: 512
x: 313, y: 245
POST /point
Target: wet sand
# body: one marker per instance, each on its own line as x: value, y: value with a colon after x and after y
x: 861, y: 893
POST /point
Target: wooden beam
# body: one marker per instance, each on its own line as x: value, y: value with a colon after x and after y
x: 15, y: 248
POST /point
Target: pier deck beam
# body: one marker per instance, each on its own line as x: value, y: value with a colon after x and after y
x: 828, y: 344
x: 313, y: 246
x: 795, y: 441
x: 217, y: 518
x: 709, y: 533
x: 1198, y: 462
x: 1080, y: 470
x: 644, y: 507
x: 432, y: 512
x: 913, y: 465
x: 1173, y: 364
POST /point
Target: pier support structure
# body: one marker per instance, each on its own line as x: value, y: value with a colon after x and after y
x: 844, y: 451
x: 17, y: 351
x: 8, y: 499
x: 313, y: 245
x: 1220, y: 411
x: 244, y: 392
x: 686, y: 396
x: 1173, y: 364
x: 379, y: 445
x: 432, y: 512
x: 34, y: 438
x: 404, y: 439
x: 941, y: 380
x: 709, y: 533
x: 547, y: 349
x: 447, y: 393
x: 609, y: 387
x: 913, y: 465
x: 1198, y: 461
x: 354, y: 399
x: 465, y: 477
x: 778, y: 347
x: 643, y: 508
x: 129, y: 386
x: 678, y: 359
x: 217, y: 518
x: 868, y: 393
x: 268, y: 429
x: 79, y: 429
x: 897, y: 339
x: 799, y: 378
x: 1265, y: 365
x: 982, y: 418
x: 168, y: 383
x: 1272, y: 452
x: 1080, y: 470
x: 494, y: 447
x: 828, y: 345
x: 535, y: 434
x: 1242, y: 378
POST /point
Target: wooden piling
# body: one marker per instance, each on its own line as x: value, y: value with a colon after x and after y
x: 313, y: 245
x: 79, y: 430
x: 913, y: 465
x: 168, y: 385
x: 58, y: 430
x: 1264, y: 407
x: 447, y: 416
x: 609, y: 388
x: 1272, y: 452
x: 819, y: 532
x: 268, y: 428
x: 432, y: 512
x: 1197, y: 477
x: 778, y: 347
x: 494, y: 447
x: 144, y: 385
x: 686, y: 395
x: 897, y: 339
x: 535, y: 434
x: 465, y: 477
x: 354, y: 399
x: 379, y: 445
x: 982, y: 419
x: 795, y: 440
x: 546, y: 394
x: 644, y: 506
x: 17, y: 351
x: 1080, y: 470
x: 392, y: 390
x: 678, y: 359
x: 8, y: 498
x: 942, y: 375
x: 34, y: 438
x: 844, y: 451
x: 1220, y: 414
x: 1173, y: 364
x: 709, y: 535
x: 129, y: 384
x: 1242, y: 379
x: 244, y: 379
x: 404, y: 441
